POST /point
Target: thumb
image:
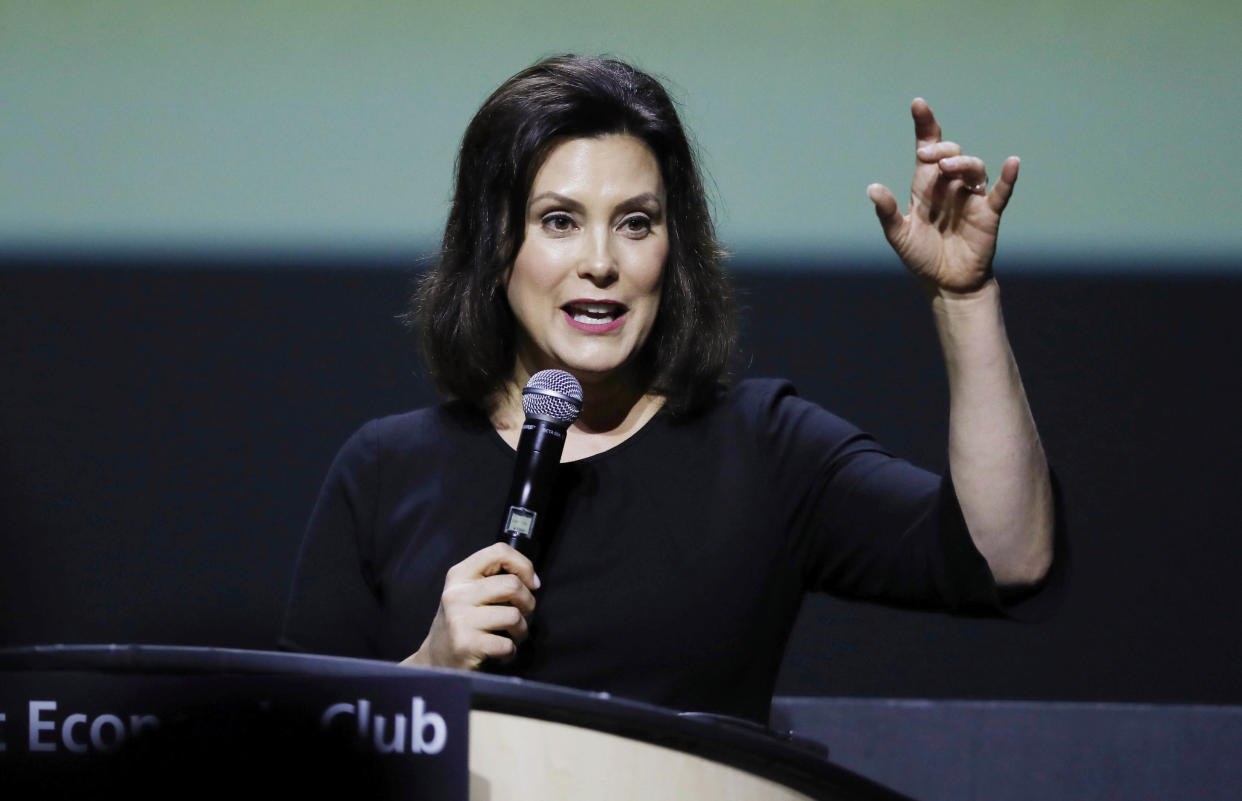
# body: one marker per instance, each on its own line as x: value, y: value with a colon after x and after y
x: 886, y: 210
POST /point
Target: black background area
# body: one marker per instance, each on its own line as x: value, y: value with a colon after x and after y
x: 165, y: 423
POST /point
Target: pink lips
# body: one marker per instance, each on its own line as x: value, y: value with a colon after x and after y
x: 610, y: 314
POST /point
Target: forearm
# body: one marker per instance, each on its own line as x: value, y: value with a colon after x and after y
x: 995, y: 456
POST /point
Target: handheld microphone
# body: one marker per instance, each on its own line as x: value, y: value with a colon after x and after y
x: 551, y: 400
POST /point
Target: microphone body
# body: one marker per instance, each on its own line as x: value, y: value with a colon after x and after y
x: 538, y: 456
x: 551, y: 400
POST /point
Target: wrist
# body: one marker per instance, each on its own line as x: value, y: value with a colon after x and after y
x: 971, y: 327
x: 965, y: 311
x: 963, y: 299
x: 417, y: 659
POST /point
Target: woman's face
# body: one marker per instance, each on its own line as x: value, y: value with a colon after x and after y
x: 585, y: 285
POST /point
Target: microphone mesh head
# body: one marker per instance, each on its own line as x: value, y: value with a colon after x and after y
x: 553, y: 395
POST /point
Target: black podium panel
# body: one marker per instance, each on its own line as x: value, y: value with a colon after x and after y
x: 142, y: 722
x: 173, y: 721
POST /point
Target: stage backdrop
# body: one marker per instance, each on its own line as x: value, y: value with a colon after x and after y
x: 164, y: 428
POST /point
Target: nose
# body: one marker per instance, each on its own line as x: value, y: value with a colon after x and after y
x: 597, y: 262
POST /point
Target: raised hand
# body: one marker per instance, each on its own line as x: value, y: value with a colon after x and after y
x: 486, y: 593
x: 947, y: 238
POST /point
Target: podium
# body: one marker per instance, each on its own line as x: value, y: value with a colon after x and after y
x: 175, y: 720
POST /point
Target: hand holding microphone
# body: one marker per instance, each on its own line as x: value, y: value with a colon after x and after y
x: 483, y: 609
x: 489, y: 595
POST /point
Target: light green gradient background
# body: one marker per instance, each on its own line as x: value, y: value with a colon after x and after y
x: 334, y: 125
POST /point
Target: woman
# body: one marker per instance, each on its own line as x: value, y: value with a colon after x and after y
x: 692, y: 517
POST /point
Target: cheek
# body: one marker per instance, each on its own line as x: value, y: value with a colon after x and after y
x: 655, y: 271
x: 539, y: 264
x: 529, y: 276
x: 524, y: 302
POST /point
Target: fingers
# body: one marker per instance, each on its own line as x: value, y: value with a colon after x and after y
x: 496, y: 558
x: 505, y: 588
x: 940, y: 150
x: 891, y: 219
x: 483, y: 612
x: 477, y: 633
x: 477, y: 646
x: 970, y: 170
x: 493, y: 646
x: 926, y: 129
x: 998, y: 198
x: 498, y: 618
x: 477, y: 580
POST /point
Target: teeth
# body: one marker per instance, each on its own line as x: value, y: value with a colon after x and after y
x: 582, y: 317
x: 596, y: 313
x: 593, y: 308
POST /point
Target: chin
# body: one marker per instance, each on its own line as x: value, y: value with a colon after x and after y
x: 593, y: 374
x: 590, y: 374
x: 592, y: 366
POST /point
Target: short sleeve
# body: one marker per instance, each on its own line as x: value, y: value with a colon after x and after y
x: 864, y: 524
x: 333, y: 602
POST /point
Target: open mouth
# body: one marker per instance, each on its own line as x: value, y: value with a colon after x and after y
x: 594, y: 312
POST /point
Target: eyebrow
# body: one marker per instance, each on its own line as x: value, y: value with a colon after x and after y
x: 642, y: 199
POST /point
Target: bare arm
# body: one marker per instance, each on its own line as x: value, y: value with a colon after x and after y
x: 995, y: 456
x: 947, y: 239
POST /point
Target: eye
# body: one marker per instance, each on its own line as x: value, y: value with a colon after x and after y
x: 557, y: 222
x: 636, y: 225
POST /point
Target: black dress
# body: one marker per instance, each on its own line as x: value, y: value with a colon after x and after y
x: 679, y: 559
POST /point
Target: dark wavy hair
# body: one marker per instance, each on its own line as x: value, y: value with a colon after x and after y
x: 460, y: 309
